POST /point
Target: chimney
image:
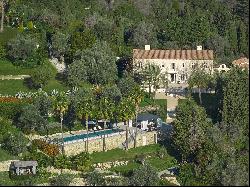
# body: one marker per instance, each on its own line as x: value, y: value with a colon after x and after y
x: 147, y: 47
x: 199, y: 47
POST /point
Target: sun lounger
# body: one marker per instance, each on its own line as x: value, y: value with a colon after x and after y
x: 95, y: 129
x: 99, y: 127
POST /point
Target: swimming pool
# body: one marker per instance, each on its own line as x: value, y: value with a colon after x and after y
x: 91, y: 135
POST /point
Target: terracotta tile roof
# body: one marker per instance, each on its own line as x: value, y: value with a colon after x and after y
x: 173, y: 54
x: 242, y: 62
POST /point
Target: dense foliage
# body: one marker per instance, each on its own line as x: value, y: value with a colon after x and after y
x: 222, y: 153
x: 61, y: 28
x: 89, y: 36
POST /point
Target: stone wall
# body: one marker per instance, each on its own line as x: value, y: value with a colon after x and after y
x: 4, y: 165
x: 109, y: 142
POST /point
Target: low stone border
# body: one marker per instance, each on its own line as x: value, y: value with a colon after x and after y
x: 172, y: 180
x: 108, y: 165
x: 58, y: 171
x: 14, y: 77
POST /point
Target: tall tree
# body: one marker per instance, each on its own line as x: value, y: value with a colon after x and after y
x: 30, y: 119
x: 235, y: 114
x: 242, y: 39
x: 85, y: 107
x: 145, y: 34
x: 126, y: 109
x: 152, y: 75
x: 190, y: 126
x: 60, y: 45
x: 95, y: 65
x: 137, y: 96
x: 200, y: 79
x: 60, y: 106
x: 2, y: 16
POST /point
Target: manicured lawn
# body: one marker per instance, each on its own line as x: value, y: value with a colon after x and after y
x: 4, y: 155
x: 5, y: 180
x: 162, y: 164
x: 159, y: 164
x: 119, y: 154
x: 146, y: 101
x: 11, y: 87
x: 56, y: 84
x: 7, y: 68
x: 41, y: 178
x: 127, y: 169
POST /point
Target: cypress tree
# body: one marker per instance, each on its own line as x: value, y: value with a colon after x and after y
x: 235, y: 114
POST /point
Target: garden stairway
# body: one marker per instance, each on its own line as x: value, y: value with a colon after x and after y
x: 61, y: 67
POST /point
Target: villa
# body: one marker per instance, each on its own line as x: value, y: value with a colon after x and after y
x: 176, y: 63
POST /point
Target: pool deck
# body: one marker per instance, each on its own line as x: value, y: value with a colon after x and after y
x: 58, y: 135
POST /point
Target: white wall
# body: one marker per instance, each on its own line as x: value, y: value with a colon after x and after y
x: 166, y: 66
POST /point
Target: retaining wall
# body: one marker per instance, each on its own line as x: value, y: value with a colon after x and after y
x: 109, y: 142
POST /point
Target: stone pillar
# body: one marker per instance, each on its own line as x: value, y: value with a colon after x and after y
x: 85, y: 146
x: 103, y: 143
x: 155, y: 138
x: 130, y: 123
x: 34, y: 170
x: 17, y: 171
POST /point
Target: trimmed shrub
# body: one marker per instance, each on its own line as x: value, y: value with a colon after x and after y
x: 42, y: 74
x: 6, y: 129
x: 162, y: 152
x: 62, y: 161
x: 11, y: 106
x: 15, y: 143
x: 82, y: 162
x: 42, y: 159
x: 2, y: 51
x: 61, y: 180
x: 140, y: 159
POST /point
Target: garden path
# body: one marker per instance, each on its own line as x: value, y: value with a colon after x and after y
x: 13, y: 77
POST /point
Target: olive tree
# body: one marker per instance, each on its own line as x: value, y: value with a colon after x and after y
x: 95, y: 65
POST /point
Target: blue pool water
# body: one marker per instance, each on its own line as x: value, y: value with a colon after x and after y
x: 92, y: 134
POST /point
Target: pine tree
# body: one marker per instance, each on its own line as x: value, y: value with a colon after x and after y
x: 232, y: 37
x: 242, y: 39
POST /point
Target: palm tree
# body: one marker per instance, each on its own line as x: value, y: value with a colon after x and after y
x: 152, y: 74
x: 106, y: 108
x: 137, y: 96
x: 60, y: 106
x: 85, y: 107
x: 126, y: 112
x: 2, y: 4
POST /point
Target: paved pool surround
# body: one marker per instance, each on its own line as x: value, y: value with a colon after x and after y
x: 108, y: 142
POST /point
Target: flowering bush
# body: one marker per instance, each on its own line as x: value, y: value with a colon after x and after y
x: 49, y: 149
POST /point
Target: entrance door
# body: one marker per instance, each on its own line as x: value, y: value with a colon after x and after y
x: 172, y: 77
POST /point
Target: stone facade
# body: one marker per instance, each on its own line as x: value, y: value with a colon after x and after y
x: 176, y: 64
x: 109, y: 142
x: 178, y: 70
